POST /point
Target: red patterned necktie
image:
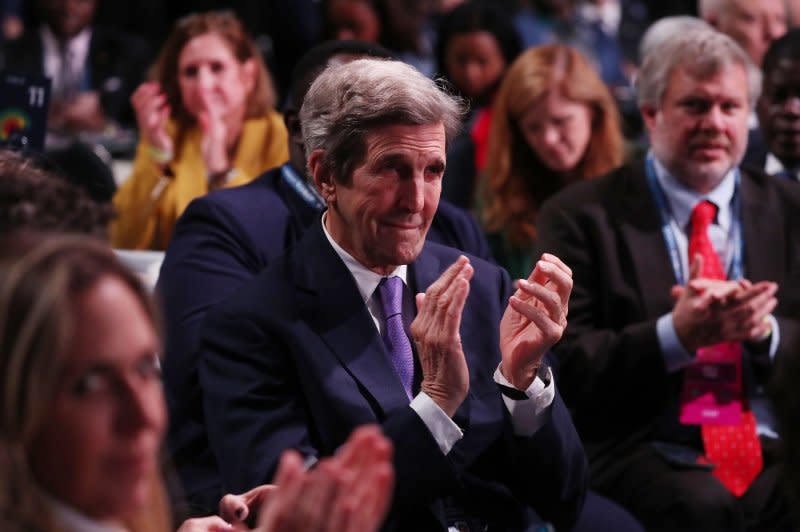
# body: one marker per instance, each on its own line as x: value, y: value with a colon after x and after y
x: 733, y: 449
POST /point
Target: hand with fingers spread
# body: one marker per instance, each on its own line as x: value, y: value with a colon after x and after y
x: 348, y: 492
x: 436, y: 333
x: 534, y: 320
x: 152, y: 114
x: 214, y: 145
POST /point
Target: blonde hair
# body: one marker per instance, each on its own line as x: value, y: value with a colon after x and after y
x: 516, y: 180
x: 40, y: 279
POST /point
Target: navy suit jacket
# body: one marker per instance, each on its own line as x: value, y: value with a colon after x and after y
x: 221, y: 241
x: 612, y: 372
x: 293, y: 360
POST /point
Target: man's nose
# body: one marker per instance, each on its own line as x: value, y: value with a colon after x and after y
x: 714, y: 119
x: 792, y: 105
x: 414, y: 192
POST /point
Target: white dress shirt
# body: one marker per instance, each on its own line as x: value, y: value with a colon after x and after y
x: 78, y: 48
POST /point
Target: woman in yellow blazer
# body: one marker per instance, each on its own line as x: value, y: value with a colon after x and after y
x: 206, y: 121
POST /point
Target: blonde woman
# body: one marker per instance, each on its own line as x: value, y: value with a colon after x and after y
x: 83, y: 413
x: 206, y: 120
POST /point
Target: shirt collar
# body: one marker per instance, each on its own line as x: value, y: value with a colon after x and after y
x: 683, y: 199
x: 78, y: 45
x: 74, y: 521
x: 366, y: 280
x: 773, y: 166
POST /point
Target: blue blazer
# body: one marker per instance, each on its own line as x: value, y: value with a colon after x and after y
x: 221, y: 241
x: 293, y: 360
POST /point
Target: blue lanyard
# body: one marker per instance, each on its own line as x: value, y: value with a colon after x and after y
x: 735, y: 237
x: 303, y: 189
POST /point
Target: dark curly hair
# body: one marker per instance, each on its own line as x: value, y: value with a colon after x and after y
x: 31, y: 198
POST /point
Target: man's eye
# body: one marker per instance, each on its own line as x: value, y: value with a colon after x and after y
x: 695, y: 106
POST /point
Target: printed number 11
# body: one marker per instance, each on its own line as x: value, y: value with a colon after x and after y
x: 36, y: 96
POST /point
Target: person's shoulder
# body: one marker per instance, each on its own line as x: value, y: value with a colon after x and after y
x: 253, y: 204
x: 787, y: 188
x: 597, y: 190
x: 261, y: 191
x: 270, y: 294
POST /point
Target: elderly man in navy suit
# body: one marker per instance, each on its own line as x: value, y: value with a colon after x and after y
x: 224, y: 239
x: 363, y: 321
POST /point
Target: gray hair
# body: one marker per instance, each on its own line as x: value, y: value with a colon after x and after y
x: 667, y: 27
x: 348, y: 100
x: 702, y: 53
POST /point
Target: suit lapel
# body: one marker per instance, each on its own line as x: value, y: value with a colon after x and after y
x: 762, y: 232
x: 640, y: 226
x: 335, y: 310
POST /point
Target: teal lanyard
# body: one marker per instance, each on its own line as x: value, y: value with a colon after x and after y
x: 736, y: 267
x: 303, y: 189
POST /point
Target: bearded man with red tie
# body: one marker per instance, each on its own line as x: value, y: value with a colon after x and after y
x: 686, y: 292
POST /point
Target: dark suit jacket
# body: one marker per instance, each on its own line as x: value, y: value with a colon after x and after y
x: 293, y: 360
x: 612, y: 371
x: 222, y: 240
x: 117, y: 63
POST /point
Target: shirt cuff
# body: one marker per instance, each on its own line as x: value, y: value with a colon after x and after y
x: 444, y: 430
x: 775, y: 337
x: 529, y: 415
x: 676, y: 357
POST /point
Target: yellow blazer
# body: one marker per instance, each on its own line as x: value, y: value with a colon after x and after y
x: 148, y: 206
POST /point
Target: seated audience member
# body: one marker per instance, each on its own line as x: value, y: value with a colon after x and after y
x: 778, y: 110
x: 753, y: 25
x: 351, y: 20
x: 224, y: 239
x: 93, y: 69
x: 401, y: 26
x: 674, y: 319
x: 83, y: 410
x: 555, y: 123
x: 316, y: 344
x: 31, y: 198
x: 206, y: 121
x: 477, y: 42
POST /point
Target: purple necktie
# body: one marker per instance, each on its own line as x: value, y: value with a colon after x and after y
x: 394, y: 335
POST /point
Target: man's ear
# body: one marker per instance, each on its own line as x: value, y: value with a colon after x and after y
x: 323, y: 178
x: 649, y: 116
